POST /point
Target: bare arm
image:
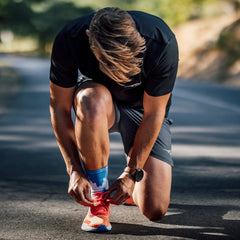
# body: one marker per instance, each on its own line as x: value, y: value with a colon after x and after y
x: 61, y: 100
x: 154, y: 112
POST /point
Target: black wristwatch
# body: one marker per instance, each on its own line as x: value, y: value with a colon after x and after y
x: 136, y: 173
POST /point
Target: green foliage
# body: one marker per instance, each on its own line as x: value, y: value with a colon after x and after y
x: 179, y: 11
x: 42, y: 19
x: 175, y: 12
x: 48, y: 24
x: 172, y: 11
x: 229, y: 42
x: 15, y: 16
x: 20, y: 18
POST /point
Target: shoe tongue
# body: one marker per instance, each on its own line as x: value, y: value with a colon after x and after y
x: 100, y: 205
x: 99, y: 208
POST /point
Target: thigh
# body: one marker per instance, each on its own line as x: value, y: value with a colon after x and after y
x: 129, y: 123
x: 152, y: 194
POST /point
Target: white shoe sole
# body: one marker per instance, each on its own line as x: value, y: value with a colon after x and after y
x: 101, y: 228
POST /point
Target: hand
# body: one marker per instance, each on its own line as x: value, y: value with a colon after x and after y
x: 80, y: 189
x: 123, y: 188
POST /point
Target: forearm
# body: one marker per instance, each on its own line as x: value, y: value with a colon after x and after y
x: 145, y: 138
x: 65, y: 135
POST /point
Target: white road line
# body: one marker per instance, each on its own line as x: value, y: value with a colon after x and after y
x: 192, y: 150
x: 206, y: 100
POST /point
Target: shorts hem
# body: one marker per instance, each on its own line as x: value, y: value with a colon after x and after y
x: 163, y: 159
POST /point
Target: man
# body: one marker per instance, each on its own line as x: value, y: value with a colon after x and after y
x: 128, y: 62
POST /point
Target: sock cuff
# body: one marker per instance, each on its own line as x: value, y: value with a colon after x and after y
x: 98, y: 180
x: 91, y: 172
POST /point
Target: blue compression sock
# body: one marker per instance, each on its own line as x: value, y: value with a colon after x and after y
x: 98, y: 180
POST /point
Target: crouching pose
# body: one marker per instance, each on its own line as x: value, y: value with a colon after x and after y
x: 128, y: 63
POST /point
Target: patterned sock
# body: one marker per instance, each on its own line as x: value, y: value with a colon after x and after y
x: 98, y: 180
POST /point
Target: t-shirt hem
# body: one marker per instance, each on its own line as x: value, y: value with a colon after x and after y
x: 62, y: 85
x: 159, y: 94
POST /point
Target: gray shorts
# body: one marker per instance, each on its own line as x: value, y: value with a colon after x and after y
x: 127, y: 121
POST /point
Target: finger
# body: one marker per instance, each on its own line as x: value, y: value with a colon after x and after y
x: 73, y: 195
x: 119, y: 200
x: 85, y: 201
x: 86, y: 197
x: 87, y: 194
x: 116, y: 198
x: 79, y: 198
x: 123, y: 199
x: 111, y: 200
x: 86, y: 204
x: 110, y: 193
x: 112, y: 188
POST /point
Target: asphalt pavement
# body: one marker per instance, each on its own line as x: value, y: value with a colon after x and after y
x: 205, y: 198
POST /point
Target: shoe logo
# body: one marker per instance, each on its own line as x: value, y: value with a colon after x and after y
x: 168, y: 151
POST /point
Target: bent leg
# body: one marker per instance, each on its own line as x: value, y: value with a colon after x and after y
x: 95, y: 114
x: 152, y: 194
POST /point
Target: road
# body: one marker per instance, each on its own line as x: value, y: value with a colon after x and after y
x: 205, y: 200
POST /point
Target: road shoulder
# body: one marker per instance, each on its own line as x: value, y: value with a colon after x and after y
x: 10, y: 85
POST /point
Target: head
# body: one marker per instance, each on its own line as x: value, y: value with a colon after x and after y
x: 116, y: 43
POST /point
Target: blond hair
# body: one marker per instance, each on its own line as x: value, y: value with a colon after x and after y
x: 116, y: 43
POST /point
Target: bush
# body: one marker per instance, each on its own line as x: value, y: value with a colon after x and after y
x: 229, y: 42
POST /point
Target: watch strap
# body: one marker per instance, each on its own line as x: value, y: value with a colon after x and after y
x: 136, y: 174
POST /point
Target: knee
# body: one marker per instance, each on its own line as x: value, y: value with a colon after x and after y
x: 154, y: 212
x: 90, y: 104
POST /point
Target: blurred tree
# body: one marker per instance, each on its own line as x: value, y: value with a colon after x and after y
x: 236, y: 5
x: 229, y: 42
x: 42, y: 19
x: 48, y: 23
x: 16, y: 16
x: 179, y: 11
x: 20, y: 17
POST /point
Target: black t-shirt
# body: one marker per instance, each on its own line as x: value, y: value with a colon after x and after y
x: 71, y: 52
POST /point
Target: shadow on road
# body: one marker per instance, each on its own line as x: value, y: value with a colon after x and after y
x: 202, y: 222
x: 34, y: 203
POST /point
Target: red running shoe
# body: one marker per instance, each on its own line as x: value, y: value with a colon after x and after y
x: 97, y: 219
x: 129, y: 202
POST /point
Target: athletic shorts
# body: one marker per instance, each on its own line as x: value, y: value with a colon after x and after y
x: 127, y: 121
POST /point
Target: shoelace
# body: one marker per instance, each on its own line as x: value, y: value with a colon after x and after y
x: 100, y: 206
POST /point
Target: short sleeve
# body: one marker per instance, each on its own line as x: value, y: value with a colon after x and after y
x: 63, y: 70
x: 161, y: 79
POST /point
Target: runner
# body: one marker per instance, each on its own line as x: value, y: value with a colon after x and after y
x: 128, y: 63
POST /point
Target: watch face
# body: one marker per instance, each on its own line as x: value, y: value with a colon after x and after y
x: 138, y: 175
